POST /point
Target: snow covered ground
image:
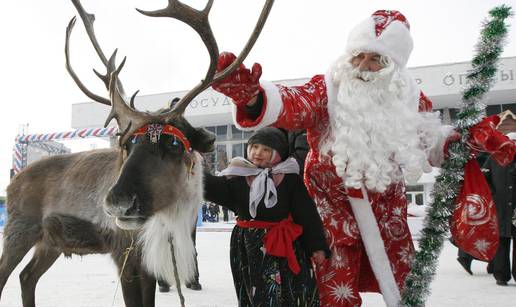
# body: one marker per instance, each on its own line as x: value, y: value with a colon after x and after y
x: 91, y: 281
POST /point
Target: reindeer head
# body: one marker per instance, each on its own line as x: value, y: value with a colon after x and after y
x: 157, y: 149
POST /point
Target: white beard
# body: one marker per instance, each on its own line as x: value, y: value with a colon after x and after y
x: 377, y: 136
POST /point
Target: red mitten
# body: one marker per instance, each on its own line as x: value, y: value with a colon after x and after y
x: 242, y: 84
x: 485, y: 138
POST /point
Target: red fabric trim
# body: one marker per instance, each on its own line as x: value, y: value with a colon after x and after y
x: 242, y: 118
x: 278, y: 239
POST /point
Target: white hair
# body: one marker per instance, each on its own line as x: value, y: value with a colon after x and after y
x: 376, y: 135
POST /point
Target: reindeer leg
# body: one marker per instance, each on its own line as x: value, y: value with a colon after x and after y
x: 41, y: 261
x: 148, y: 288
x: 131, y: 284
x: 20, y: 234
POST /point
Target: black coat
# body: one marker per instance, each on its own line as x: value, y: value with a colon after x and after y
x: 233, y: 193
x: 298, y: 148
x: 501, y: 180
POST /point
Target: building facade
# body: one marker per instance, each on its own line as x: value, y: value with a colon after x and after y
x: 441, y: 83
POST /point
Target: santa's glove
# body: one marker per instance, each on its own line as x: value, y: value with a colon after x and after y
x: 242, y: 84
x: 485, y: 138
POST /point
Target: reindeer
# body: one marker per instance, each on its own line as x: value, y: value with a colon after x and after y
x: 131, y: 201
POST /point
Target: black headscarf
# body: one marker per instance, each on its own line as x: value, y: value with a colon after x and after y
x: 273, y: 138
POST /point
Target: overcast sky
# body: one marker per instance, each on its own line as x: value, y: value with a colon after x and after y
x: 301, y: 38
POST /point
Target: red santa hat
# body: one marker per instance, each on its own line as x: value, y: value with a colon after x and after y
x: 385, y: 32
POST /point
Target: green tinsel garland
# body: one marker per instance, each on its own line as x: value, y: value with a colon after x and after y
x: 436, y: 224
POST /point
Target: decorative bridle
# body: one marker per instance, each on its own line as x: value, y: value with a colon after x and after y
x: 154, y: 132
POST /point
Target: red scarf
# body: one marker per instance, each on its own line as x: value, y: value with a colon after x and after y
x: 278, y: 239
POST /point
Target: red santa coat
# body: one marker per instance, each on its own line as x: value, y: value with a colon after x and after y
x: 348, y: 271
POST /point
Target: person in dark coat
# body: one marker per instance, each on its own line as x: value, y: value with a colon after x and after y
x: 298, y: 148
x: 214, y: 212
x: 225, y: 214
x: 278, y: 228
x: 501, y: 180
x: 205, y: 212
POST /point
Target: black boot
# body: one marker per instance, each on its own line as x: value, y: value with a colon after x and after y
x: 489, y: 268
x: 501, y: 282
x: 466, y: 264
x: 163, y: 286
x: 194, y: 285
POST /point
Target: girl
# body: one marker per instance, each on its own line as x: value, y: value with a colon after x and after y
x: 278, y: 228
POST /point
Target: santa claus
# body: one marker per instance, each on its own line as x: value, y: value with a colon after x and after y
x: 370, y: 130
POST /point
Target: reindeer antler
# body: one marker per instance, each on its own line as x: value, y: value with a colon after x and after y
x: 88, y: 20
x: 127, y: 117
x: 72, y: 73
x: 198, y: 20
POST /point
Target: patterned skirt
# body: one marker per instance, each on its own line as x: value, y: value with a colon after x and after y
x: 263, y: 280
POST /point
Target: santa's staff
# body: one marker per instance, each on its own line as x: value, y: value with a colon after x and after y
x: 477, y: 237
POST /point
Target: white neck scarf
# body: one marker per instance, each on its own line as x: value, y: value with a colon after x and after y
x: 263, y: 183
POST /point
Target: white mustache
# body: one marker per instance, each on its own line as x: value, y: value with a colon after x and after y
x: 368, y: 76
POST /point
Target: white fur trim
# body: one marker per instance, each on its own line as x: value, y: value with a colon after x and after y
x: 331, y: 89
x: 273, y: 107
x: 331, y: 92
x: 375, y: 249
x: 413, y: 91
x: 436, y: 154
x: 395, y: 41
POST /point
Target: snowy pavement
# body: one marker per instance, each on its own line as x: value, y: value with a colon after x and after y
x: 91, y: 281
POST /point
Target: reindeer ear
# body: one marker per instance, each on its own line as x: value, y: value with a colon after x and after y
x: 202, y: 140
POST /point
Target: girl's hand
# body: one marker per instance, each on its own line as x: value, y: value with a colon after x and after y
x: 319, y: 256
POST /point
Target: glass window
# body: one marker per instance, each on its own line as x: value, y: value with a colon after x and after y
x: 409, y: 198
x: 453, y: 114
x: 210, y: 157
x: 415, y: 188
x: 510, y: 106
x: 419, y: 199
x: 237, y: 133
x: 222, y: 133
x: 492, y: 110
x: 222, y: 157
x: 237, y: 150
x: 247, y: 134
x: 210, y: 129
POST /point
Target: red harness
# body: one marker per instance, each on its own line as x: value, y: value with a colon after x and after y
x: 155, y: 130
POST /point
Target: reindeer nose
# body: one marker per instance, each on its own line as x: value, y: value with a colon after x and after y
x: 121, y: 204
